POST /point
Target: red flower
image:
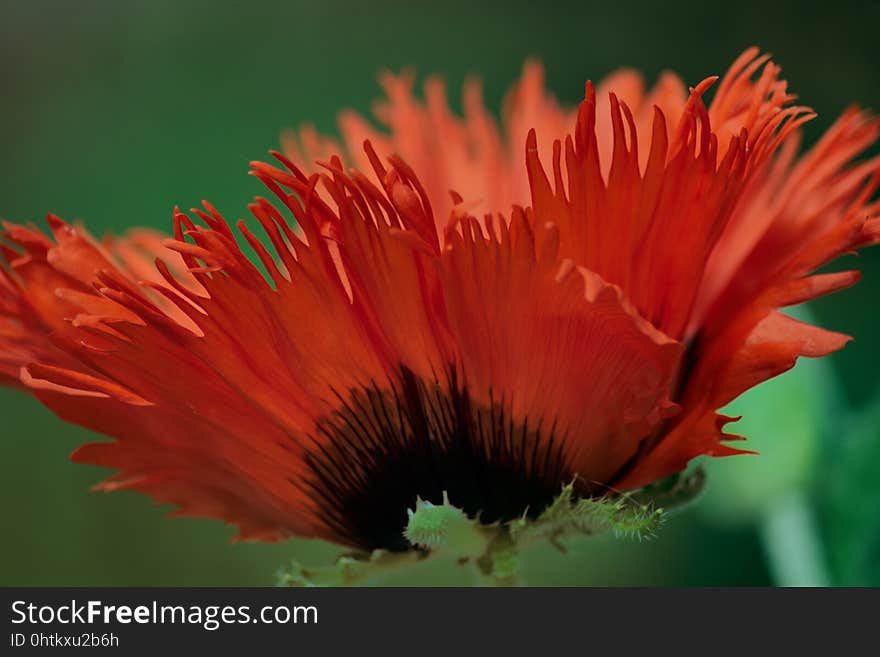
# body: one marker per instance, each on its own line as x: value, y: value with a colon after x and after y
x: 402, y: 347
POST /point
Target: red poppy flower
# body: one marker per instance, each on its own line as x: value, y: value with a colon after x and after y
x: 399, y: 346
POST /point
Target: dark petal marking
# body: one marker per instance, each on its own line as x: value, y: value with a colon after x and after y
x: 385, y: 447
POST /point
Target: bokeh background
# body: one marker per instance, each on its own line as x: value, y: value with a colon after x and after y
x: 115, y: 111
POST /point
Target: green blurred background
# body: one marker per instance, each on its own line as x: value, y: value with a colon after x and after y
x: 115, y: 111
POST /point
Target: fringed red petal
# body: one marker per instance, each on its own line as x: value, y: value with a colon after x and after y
x: 390, y: 334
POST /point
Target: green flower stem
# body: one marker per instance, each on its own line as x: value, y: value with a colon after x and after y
x: 348, y: 570
x: 509, y: 580
x: 792, y: 543
x: 500, y: 563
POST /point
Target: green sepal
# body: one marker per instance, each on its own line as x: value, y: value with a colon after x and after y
x: 675, y: 492
x: 445, y: 527
x: 494, y: 549
x: 570, y: 516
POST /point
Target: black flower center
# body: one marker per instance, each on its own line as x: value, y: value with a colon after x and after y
x: 386, y: 446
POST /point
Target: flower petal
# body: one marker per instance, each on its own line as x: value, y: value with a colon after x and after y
x: 557, y: 344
